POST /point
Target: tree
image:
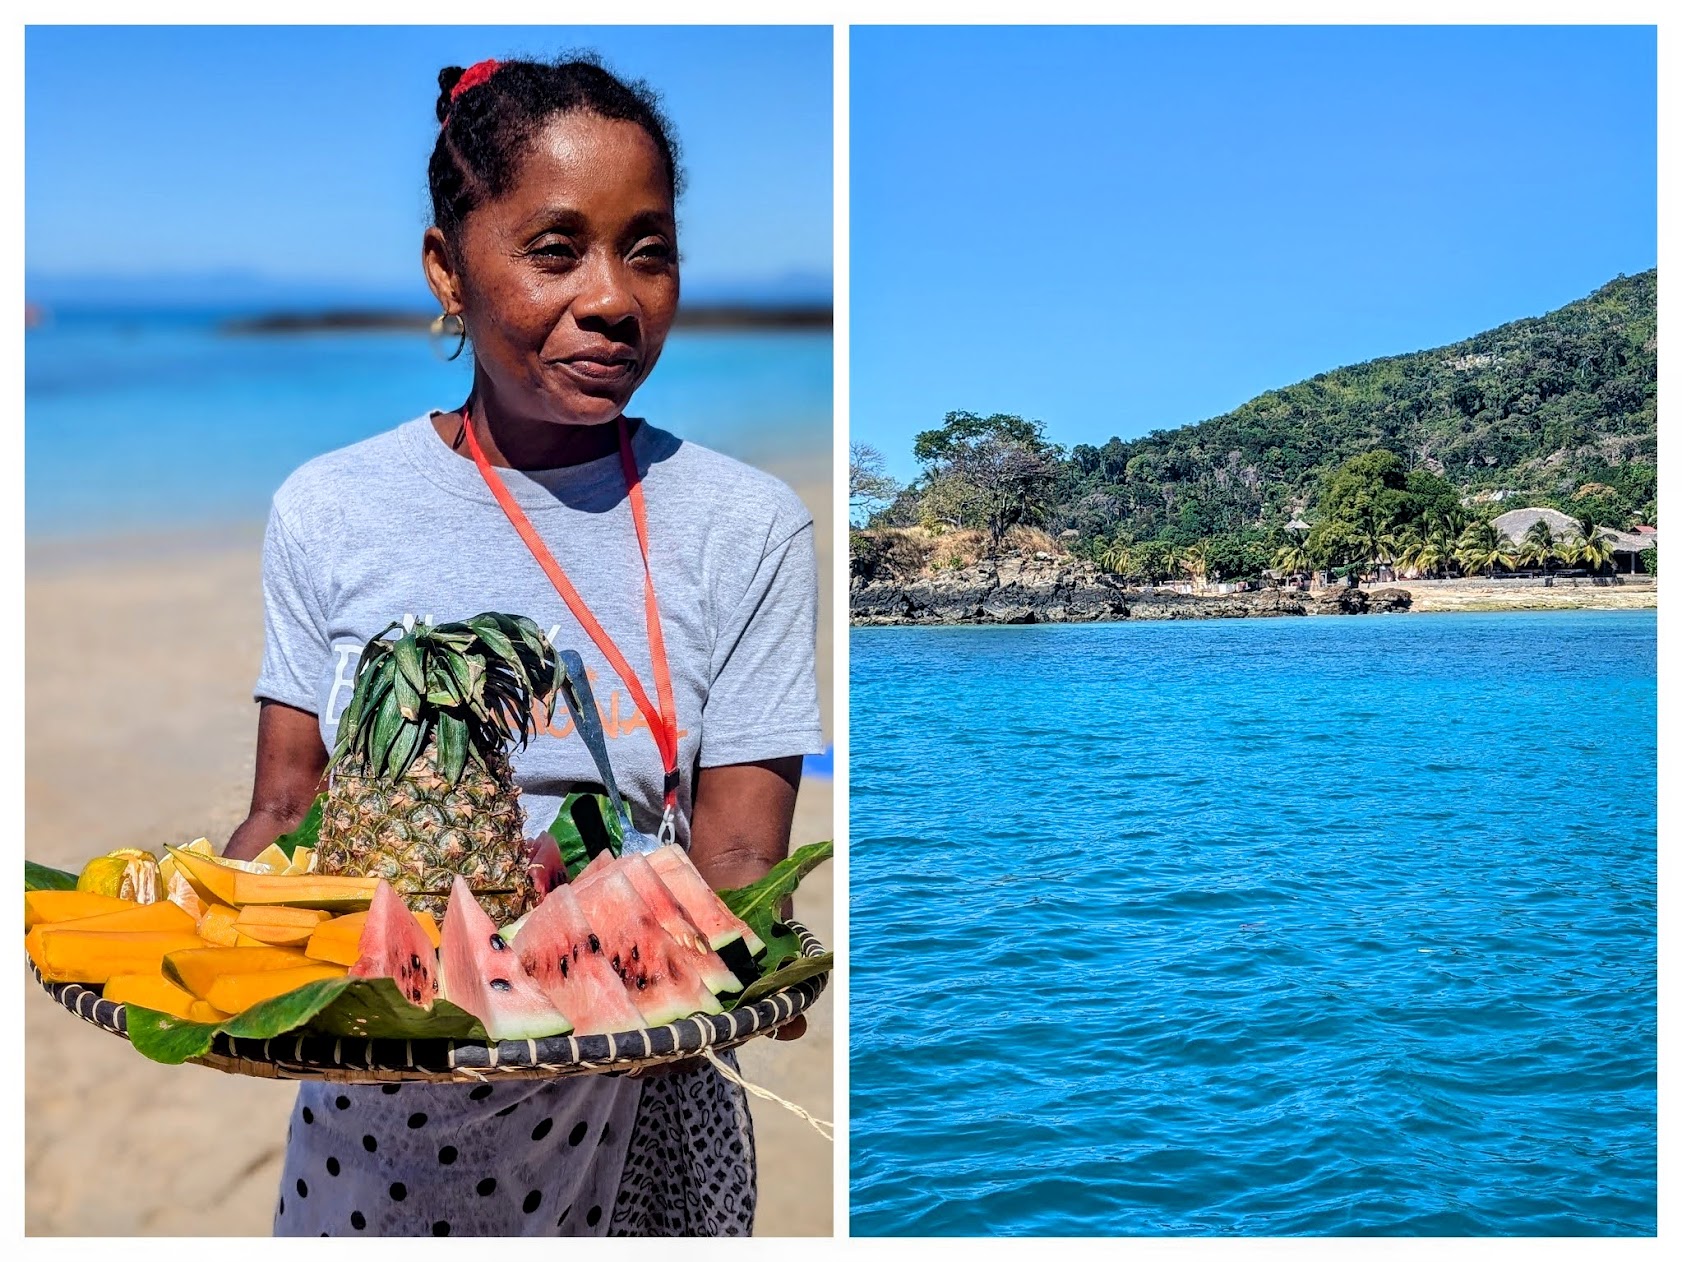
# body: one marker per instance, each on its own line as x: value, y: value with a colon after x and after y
x: 1195, y: 562
x: 1538, y: 547
x: 1590, y: 549
x: 869, y: 488
x: 1294, y: 557
x: 1482, y: 547
x: 997, y: 471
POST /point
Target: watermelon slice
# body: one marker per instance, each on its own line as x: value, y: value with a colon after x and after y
x: 658, y: 972
x: 717, y: 923
x: 652, y: 890
x: 479, y: 972
x: 602, y: 861
x: 565, y: 958
x: 394, y: 945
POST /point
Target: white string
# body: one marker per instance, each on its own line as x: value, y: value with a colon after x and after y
x: 826, y: 1129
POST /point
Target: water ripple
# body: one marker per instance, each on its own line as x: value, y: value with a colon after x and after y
x: 1330, y: 926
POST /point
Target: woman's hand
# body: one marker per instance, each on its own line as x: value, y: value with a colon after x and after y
x: 739, y: 829
x: 291, y: 761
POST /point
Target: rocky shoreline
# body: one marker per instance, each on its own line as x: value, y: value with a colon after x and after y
x: 1023, y: 590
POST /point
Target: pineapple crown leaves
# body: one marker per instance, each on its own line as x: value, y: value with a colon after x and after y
x: 467, y: 686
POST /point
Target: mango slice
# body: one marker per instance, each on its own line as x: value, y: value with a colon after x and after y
x: 52, y: 906
x: 98, y: 957
x: 154, y: 991
x: 235, y: 992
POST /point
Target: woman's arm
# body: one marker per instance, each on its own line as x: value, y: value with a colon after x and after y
x: 290, y: 763
x: 739, y: 827
x: 741, y: 818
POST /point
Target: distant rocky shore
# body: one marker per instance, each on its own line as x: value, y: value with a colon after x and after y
x: 1021, y: 590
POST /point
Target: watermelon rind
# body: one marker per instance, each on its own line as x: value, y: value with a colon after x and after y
x: 701, y: 902
x: 658, y: 972
x: 564, y: 955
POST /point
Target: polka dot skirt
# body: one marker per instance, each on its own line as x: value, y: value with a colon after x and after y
x: 670, y: 1155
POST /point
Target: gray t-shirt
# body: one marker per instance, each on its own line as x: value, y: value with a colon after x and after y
x: 401, y: 526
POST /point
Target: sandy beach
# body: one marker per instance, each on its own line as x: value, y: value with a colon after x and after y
x: 140, y: 730
x: 1483, y: 595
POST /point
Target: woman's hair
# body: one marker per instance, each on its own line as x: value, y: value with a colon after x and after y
x: 487, y: 127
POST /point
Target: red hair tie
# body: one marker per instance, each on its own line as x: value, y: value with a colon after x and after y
x: 473, y: 76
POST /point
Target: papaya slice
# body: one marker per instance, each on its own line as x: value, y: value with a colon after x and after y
x: 270, y: 935
x: 328, y: 893
x: 154, y: 991
x: 212, y: 881
x: 282, y: 917
x: 53, y: 906
x: 235, y: 992
x: 98, y: 957
x: 195, y: 967
x: 164, y: 917
x: 216, y: 926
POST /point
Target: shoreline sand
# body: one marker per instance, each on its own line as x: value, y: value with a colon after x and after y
x: 139, y: 729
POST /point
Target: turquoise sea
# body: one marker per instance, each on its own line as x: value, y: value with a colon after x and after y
x: 147, y: 420
x: 1313, y: 926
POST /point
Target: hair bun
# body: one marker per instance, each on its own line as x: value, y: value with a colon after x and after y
x: 448, y: 77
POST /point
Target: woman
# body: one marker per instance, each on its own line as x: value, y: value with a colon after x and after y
x: 553, y: 252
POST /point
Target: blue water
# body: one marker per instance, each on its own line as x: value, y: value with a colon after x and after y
x: 142, y: 421
x: 1288, y: 926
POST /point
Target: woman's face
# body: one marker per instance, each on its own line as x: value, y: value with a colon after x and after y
x: 569, y: 282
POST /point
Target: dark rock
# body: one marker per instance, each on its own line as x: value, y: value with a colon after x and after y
x: 1340, y: 600
x: 1389, y: 600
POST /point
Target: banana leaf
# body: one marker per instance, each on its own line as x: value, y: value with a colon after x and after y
x: 574, y: 846
x: 759, y: 904
x: 796, y: 970
x: 341, y: 1006
x: 38, y: 876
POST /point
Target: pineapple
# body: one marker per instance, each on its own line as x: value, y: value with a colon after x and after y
x: 420, y: 787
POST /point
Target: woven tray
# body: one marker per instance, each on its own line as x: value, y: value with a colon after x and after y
x: 324, y: 1058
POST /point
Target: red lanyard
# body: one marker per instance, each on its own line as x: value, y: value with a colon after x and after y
x: 662, y: 722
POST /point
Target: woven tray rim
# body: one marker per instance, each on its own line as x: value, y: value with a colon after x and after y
x: 321, y: 1057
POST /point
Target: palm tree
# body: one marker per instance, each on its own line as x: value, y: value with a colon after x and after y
x: 1292, y: 556
x: 1429, y: 555
x: 1592, y: 551
x: 1116, y: 556
x: 1538, y: 547
x: 1195, y: 562
x: 1482, y: 547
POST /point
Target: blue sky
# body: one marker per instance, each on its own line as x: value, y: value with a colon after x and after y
x: 1126, y: 229
x: 299, y: 153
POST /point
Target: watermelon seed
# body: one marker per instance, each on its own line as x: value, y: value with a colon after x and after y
x: 501, y: 983
x: 636, y: 953
x: 595, y: 945
x: 497, y: 944
x: 414, y: 961
x: 563, y: 967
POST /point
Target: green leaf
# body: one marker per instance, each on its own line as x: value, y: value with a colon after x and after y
x: 571, y: 842
x: 797, y: 970
x: 452, y: 747
x: 781, y: 946
x: 758, y: 904
x: 308, y: 831
x: 387, y: 723
x: 166, y: 1039
x: 171, y: 1040
x: 407, y: 655
x: 408, y: 697
x: 38, y: 876
x: 376, y: 1009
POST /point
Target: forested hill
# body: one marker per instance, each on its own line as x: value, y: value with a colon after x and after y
x: 1542, y: 407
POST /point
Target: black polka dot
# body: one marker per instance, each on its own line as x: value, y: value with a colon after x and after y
x: 398, y: 1191
x: 392, y: 1088
x: 343, y: 1102
x: 333, y: 1166
x: 562, y: 1219
x: 486, y: 1187
x: 283, y: 1204
x: 440, y: 1229
x: 606, y: 1127
x: 309, y: 1118
x: 543, y: 1128
x: 356, y: 1219
x: 578, y: 1133
x: 447, y: 1155
x: 534, y: 1198
x: 370, y: 1143
x: 324, y: 1233
x: 480, y: 1092
x: 594, y: 1216
x: 508, y: 1110
x: 416, y: 1121
x: 303, y: 1188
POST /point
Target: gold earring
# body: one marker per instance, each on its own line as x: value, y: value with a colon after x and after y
x: 448, y: 325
